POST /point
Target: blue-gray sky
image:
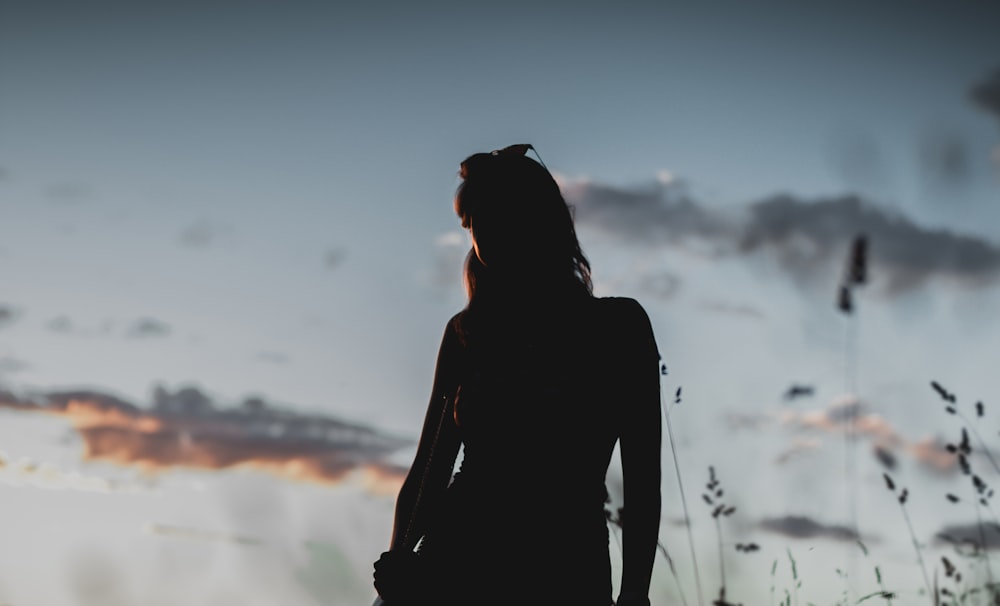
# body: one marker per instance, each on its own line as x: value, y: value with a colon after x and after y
x: 256, y: 200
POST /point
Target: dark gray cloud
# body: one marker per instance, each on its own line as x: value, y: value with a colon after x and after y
x: 201, y: 234
x: 10, y: 364
x: 969, y: 535
x: 803, y: 236
x: 659, y: 213
x: 732, y: 309
x: 804, y: 527
x: 61, y: 324
x: 334, y: 257
x: 198, y: 235
x: 807, y: 235
x: 187, y: 428
x: 274, y: 357
x: 945, y: 158
x: 662, y: 285
x: 68, y: 191
x: 148, y: 327
x: 7, y: 315
x: 799, y: 447
x: 986, y: 94
x: 754, y: 421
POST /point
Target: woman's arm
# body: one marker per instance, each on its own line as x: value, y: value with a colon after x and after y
x: 429, y: 475
x: 639, y: 444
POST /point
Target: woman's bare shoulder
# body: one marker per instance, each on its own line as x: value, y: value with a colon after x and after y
x: 453, y: 327
x: 621, y: 309
x: 626, y: 323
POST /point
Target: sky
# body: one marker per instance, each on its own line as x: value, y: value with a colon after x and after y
x: 228, y: 252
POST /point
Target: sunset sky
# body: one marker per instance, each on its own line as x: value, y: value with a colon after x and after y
x: 228, y: 252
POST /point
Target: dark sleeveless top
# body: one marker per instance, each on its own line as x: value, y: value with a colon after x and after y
x: 538, y: 419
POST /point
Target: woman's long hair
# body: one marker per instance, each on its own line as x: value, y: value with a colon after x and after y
x: 512, y: 203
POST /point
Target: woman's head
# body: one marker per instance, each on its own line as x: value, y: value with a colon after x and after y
x: 521, y: 226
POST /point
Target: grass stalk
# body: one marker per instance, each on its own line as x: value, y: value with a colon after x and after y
x: 916, y: 547
x: 722, y: 563
x: 680, y: 487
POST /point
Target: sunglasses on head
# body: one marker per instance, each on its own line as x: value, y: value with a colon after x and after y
x: 518, y: 149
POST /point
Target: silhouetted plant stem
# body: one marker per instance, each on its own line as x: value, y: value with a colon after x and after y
x: 982, y: 543
x: 916, y: 546
x: 680, y: 487
x: 774, y: 567
x: 795, y: 576
x: 901, y: 499
x: 981, y: 492
x: 882, y: 592
x: 673, y: 571
x: 722, y: 564
x: 855, y: 274
x: 937, y: 598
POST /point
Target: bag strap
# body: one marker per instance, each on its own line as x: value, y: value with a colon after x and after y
x: 427, y: 466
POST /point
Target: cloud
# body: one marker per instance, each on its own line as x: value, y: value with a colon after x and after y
x: 12, y: 364
x: 273, y: 357
x: 95, y: 580
x: 61, y: 324
x: 803, y: 527
x: 143, y: 327
x: 930, y: 453
x: 444, y: 274
x: 25, y: 472
x: 750, y: 421
x: 806, y: 235
x: 945, y: 157
x: 835, y: 417
x: 801, y: 236
x: 201, y: 234
x: 68, y: 191
x: 662, y: 285
x: 933, y: 455
x: 659, y: 213
x: 799, y: 447
x: 334, y: 257
x: 986, y: 94
x: 969, y: 535
x: 732, y: 309
x: 148, y: 327
x: 7, y: 315
x: 197, y: 534
x: 186, y: 428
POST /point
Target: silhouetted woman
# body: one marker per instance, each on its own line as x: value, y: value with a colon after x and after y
x: 536, y: 380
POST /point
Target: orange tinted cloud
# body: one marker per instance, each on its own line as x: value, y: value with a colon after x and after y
x: 929, y: 452
x: 186, y: 429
